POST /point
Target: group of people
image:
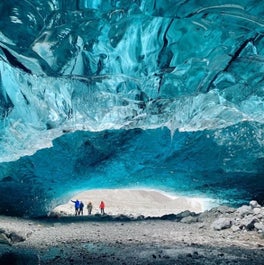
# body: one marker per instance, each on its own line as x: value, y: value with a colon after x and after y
x: 78, y: 205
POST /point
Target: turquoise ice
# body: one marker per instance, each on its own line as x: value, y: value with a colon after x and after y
x: 108, y: 94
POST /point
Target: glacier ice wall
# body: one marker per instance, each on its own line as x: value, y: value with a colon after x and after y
x: 161, y: 94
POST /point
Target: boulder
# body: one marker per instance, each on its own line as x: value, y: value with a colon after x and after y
x: 185, y: 214
x: 4, y: 239
x: 206, y: 216
x: 225, y: 209
x: 248, y: 223
x: 259, y: 226
x: 189, y: 219
x: 254, y: 204
x: 15, y: 237
x: 221, y: 223
x: 244, y: 210
x: 256, y: 211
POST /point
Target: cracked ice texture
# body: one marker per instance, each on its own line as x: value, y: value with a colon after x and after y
x: 131, y: 69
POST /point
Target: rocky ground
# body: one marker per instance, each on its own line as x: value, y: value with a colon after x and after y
x: 221, y: 235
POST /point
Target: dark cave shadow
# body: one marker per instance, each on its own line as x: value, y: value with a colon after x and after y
x: 112, y: 218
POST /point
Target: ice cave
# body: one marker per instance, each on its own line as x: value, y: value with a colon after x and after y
x: 160, y: 94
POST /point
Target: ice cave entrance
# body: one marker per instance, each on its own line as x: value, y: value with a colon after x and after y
x: 136, y: 202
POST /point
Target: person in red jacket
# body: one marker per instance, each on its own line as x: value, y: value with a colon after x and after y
x: 102, y: 207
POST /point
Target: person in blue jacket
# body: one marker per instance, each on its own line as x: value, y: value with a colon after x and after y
x: 77, y: 206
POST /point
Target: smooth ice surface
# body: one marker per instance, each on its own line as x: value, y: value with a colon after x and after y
x: 109, y: 94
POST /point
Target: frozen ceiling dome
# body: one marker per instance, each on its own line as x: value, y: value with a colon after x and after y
x: 130, y: 93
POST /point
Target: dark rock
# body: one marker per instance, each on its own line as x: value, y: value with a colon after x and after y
x: 4, y: 239
x: 248, y: 223
x: 189, y: 219
x: 171, y: 217
x: 185, y: 214
x: 15, y: 238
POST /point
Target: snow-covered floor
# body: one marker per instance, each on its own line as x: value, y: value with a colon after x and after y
x: 136, y: 202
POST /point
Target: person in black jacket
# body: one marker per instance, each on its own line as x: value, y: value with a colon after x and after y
x: 81, y: 208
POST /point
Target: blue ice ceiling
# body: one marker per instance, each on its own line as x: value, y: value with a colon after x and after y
x: 107, y: 94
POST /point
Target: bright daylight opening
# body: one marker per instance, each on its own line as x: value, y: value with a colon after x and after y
x: 135, y: 202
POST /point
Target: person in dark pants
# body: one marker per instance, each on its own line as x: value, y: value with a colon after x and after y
x: 81, y: 208
x: 76, y: 206
x: 102, y: 207
x: 89, y: 208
